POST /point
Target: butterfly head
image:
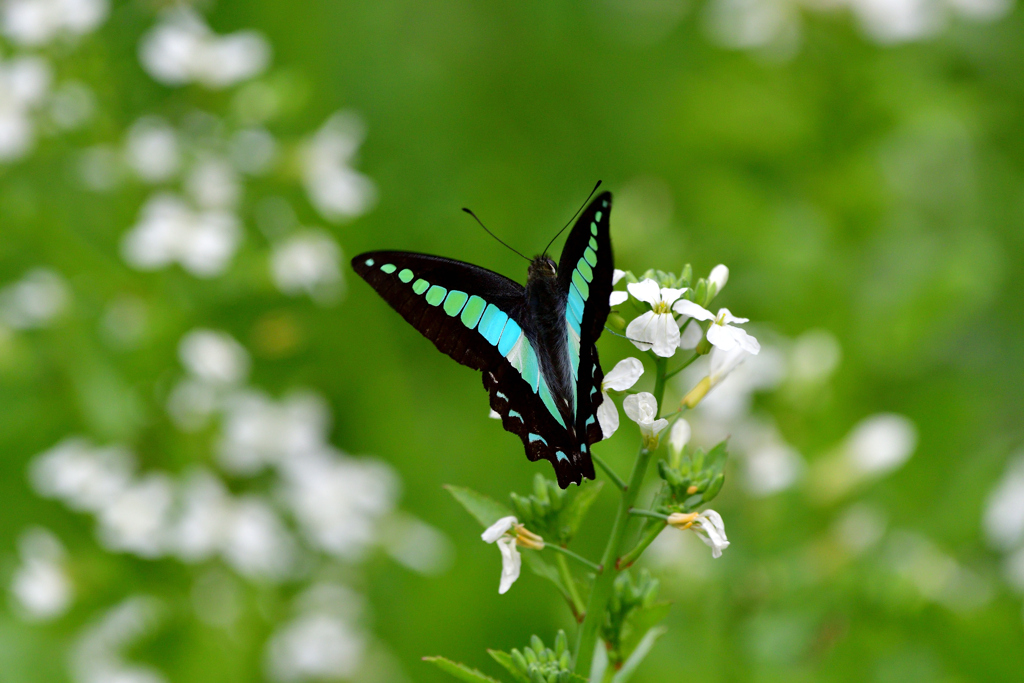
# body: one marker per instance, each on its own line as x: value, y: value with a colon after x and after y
x: 542, y: 266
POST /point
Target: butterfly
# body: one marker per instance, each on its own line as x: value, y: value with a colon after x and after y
x: 534, y: 345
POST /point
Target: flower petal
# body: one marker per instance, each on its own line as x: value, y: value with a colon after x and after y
x: 666, y: 335
x: 679, y: 436
x: 624, y: 375
x: 617, y: 298
x: 718, y: 277
x: 617, y: 275
x: 647, y: 291
x: 746, y: 341
x: 640, y: 408
x: 511, y: 562
x: 692, y: 310
x: 690, y: 336
x: 608, y: 416
x: 711, y: 530
x: 727, y: 317
x: 494, y: 415
x: 722, y: 337
x: 669, y: 295
x: 658, y: 426
x: 638, y: 331
x: 724, y: 362
x: 498, y: 529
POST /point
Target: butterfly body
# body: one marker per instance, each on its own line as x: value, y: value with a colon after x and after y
x: 534, y: 345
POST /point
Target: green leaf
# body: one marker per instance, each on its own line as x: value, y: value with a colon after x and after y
x: 486, y: 510
x: 460, y: 671
x: 640, y: 622
x: 641, y: 651
x: 505, y: 659
x: 541, y: 567
x: 572, y: 515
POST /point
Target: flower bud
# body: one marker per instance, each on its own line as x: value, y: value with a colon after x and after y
x: 697, y: 393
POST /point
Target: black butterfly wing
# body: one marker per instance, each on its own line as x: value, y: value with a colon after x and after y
x: 585, y: 274
x: 480, y: 319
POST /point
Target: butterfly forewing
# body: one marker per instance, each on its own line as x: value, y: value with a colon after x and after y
x: 585, y: 274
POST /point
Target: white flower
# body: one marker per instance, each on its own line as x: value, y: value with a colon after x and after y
x: 881, y: 443
x: 34, y: 301
x: 182, y: 49
x: 642, y: 408
x: 624, y: 375
x: 656, y: 329
x: 617, y: 298
x: 617, y: 275
x: 1004, y: 509
x: 213, y: 184
x: 508, y: 533
x: 511, y: 562
x: 37, y: 22
x: 152, y: 149
x: 169, y: 231
x: 213, y: 356
x: 334, y: 187
x: 718, y: 277
x: 722, y: 363
x: 721, y: 332
x: 40, y: 586
x: 24, y: 82
x: 679, y: 436
x: 315, y: 646
x: 708, y: 526
x: 135, y: 521
x: 307, y: 262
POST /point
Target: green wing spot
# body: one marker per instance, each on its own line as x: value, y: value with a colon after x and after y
x: 593, y: 244
x: 597, y: 216
x: 454, y: 302
x: 389, y: 268
x: 436, y: 295
x: 473, y: 310
x: 405, y: 275
x: 549, y: 401
x: 585, y: 270
x: 593, y: 229
x: 420, y: 286
x: 581, y: 284
x: 590, y: 256
x: 369, y: 262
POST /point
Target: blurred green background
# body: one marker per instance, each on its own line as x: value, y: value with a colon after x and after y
x: 858, y: 166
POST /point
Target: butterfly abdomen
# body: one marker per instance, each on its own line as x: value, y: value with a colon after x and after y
x: 546, y: 308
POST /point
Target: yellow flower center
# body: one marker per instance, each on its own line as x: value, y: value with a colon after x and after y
x: 662, y: 308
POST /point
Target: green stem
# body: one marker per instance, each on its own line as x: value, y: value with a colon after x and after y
x: 598, y: 603
x: 648, y: 513
x: 682, y: 367
x: 616, y: 479
x: 569, y: 553
x: 627, y: 560
x: 659, y: 381
x: 570, y: 585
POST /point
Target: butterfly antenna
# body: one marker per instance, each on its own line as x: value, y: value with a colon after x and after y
x: 491, y: 233
x: 622, y: 336
x: 573, y: 217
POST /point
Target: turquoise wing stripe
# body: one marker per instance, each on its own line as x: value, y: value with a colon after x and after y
x: 492, y: 323
x: 509, y: 337
x: 581, y: 284
x: 585, y: 270
x: 549, y: 401
x: 575, y: 302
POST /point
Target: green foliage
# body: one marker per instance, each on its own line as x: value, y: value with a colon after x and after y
x: 694, y: 480
x: 633, y: 611
x: 485, y: 510
x: 460, y: 671
x: 554, y: 513
x: 539, y: 664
